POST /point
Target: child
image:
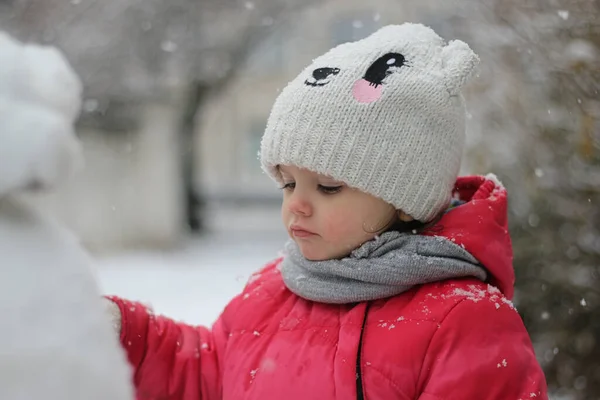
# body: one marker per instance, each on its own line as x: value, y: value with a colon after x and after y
x: 388, y: 289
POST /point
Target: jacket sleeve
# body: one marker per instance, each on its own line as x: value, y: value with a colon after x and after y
x: 171, y: 360
x: 482, y: 351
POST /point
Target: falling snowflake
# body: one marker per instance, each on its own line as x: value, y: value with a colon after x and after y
x: 90, y: 105
x: 545, y: 315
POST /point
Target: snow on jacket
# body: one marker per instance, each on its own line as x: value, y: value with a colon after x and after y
x: 450, y: 340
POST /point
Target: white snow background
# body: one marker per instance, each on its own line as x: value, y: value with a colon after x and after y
x: 194, y: 283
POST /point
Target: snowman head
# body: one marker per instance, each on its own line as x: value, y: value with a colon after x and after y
x: 39, y: 101
x: 384, y: 114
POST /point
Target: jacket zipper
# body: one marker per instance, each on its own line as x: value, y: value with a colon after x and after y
x: 359, y: 382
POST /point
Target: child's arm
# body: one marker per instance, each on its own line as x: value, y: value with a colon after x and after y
x: 482, y: 351
x: 170, y: 360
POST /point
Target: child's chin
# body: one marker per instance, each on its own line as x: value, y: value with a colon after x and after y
x: 312, y: 253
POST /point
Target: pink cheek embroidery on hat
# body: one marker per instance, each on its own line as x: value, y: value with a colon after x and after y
x: 366, y: 92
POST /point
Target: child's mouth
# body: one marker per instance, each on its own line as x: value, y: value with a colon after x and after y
x: 301, y: 233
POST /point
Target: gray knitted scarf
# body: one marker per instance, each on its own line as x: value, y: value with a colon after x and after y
x: 385, y: 266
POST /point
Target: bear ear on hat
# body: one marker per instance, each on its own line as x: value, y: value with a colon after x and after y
x: 459, y: 65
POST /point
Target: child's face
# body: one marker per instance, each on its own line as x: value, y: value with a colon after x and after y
x: 326, y: 218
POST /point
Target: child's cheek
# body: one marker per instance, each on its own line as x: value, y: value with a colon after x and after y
x: 338, y: 226
x: 329, y: 226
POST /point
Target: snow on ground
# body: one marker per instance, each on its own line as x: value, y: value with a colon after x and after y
x: 194, y: 283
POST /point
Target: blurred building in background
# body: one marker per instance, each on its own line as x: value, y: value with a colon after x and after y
x: 177, y: 95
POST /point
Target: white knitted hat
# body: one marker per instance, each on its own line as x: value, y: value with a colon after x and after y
x: 383, y: 114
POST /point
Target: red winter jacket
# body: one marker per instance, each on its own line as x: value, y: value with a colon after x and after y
x: 453, y: 340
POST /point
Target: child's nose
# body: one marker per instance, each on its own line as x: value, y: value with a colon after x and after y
x: 300, y: 205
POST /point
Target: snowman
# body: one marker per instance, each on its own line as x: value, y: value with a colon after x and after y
x: 55, y: 341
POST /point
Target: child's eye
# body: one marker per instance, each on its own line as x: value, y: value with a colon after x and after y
x: 288, y: 186
x: 330, y: 189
